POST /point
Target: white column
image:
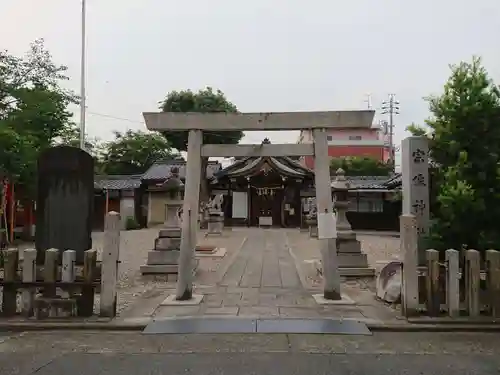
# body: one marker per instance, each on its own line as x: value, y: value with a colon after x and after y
x: 325, y: 206
x: 415, y: 180
x: 190, y: 216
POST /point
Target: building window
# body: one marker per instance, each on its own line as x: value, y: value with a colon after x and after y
x: 355, y: 138
x: 370, y: 205
x: 366, y: 205
x: 329, y: 137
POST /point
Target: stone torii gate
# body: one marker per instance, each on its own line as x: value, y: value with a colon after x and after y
x: 318, y: 122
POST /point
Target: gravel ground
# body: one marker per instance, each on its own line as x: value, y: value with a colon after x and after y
x: 134, y: 247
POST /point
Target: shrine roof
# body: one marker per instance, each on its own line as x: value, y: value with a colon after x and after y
x: 252, y: 165
x: 161, y: 170
x: 372, y: 182
x: 117, y: 182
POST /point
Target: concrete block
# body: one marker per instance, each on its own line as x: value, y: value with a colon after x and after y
x: 151, y: 269
x: 167, y: 243
x: 321, y: 300
x: 352, y: 246
x: 357, y: 272
x: 163, y: 257
x: 171, y: 301
x: 347, y: 260
x: 170, y: 233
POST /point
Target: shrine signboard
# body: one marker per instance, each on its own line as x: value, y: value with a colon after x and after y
x: 415, y: 181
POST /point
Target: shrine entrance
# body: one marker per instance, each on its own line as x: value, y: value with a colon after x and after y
x: 316, y: 122
x: 266, y: 201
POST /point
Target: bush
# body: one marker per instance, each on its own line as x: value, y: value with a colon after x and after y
x: 131, y: 223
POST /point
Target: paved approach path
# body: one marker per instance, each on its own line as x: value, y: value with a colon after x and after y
x: 261, y: 281
x: 264, y: 262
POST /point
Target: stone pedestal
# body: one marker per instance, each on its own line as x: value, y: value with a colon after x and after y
x: 164, y: 259
x: 215, y: 222
x: 312, y: 224
x: 171, y: 214
x: 351, y: 260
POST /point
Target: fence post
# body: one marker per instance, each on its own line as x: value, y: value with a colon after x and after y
x: 68, y: 269
x: 409, y: 248
x: 493, y: 281
x: 29, y: 275
x: 9, y: 300
x: 473, y: 282
x: 432, y: 282
x: 109, y: 271
x: 452, y: 283
x: 86, y: 307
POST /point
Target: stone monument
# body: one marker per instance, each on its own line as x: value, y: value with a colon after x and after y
x: 352, y: 261
x: 164, y: 259
x: 415, y: 185
x: 65, y: 200
x: 215, y: 215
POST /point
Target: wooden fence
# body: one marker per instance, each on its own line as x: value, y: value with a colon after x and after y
x: 458, y: 283
x: 58, y: 287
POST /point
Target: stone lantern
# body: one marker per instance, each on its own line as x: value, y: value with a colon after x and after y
x: 352, y: 261
x: 164, y: 258
x: 173, y: 186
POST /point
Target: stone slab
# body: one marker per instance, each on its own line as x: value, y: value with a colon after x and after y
x: 346, y: 260
x: 171, y: 301
x: 156, y: 257
x: 219, y: 252
x: 321, y: 300
x: 312, y: 326
x: 205, y: 249
x: 170, y: 233
x: 245, y: 325
x: 349, y: 247
x: 357, y: 272
x: 159, y: 269
x: 201, y: 325
x: 167, y: 243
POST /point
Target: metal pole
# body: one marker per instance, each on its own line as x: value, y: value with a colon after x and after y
x: 391, y: 119
x: 82, y: 81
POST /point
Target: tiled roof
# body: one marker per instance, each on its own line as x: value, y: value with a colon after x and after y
x: 161, y: 170
x: 248, y: 165
x: 368, y: 182
x: 394, y: 182
x: 117, y: 182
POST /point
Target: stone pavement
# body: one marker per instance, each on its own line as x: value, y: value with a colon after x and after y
x: 262, y: 281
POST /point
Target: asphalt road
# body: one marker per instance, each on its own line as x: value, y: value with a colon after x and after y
x: 99, y: 353
x: 261, y: 363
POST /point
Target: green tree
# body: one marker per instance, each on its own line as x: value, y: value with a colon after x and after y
x: 416, y: 130
x: 33, y: 110
x: 204, y: 101
x: 360, y: 166
x: 70, y: 136
x: 465, y: 147
x: 133, y: 152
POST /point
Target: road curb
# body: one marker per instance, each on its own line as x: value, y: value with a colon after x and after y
x: 131, y: 327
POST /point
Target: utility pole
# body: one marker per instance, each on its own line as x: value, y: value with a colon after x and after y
x: 391, y: 107
x: 82, y: 80
x: 368, y: 100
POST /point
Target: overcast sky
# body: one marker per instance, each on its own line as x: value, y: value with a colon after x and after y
x: 266, y: 55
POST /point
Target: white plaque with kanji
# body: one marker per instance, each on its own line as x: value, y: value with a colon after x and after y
x: 327, y: 225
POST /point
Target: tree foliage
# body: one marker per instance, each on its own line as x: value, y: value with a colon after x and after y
x: 204, y: 101
x: 133, y: 152
x: 360, y: 166
x: 465, y: 146
x: 33, y: 110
